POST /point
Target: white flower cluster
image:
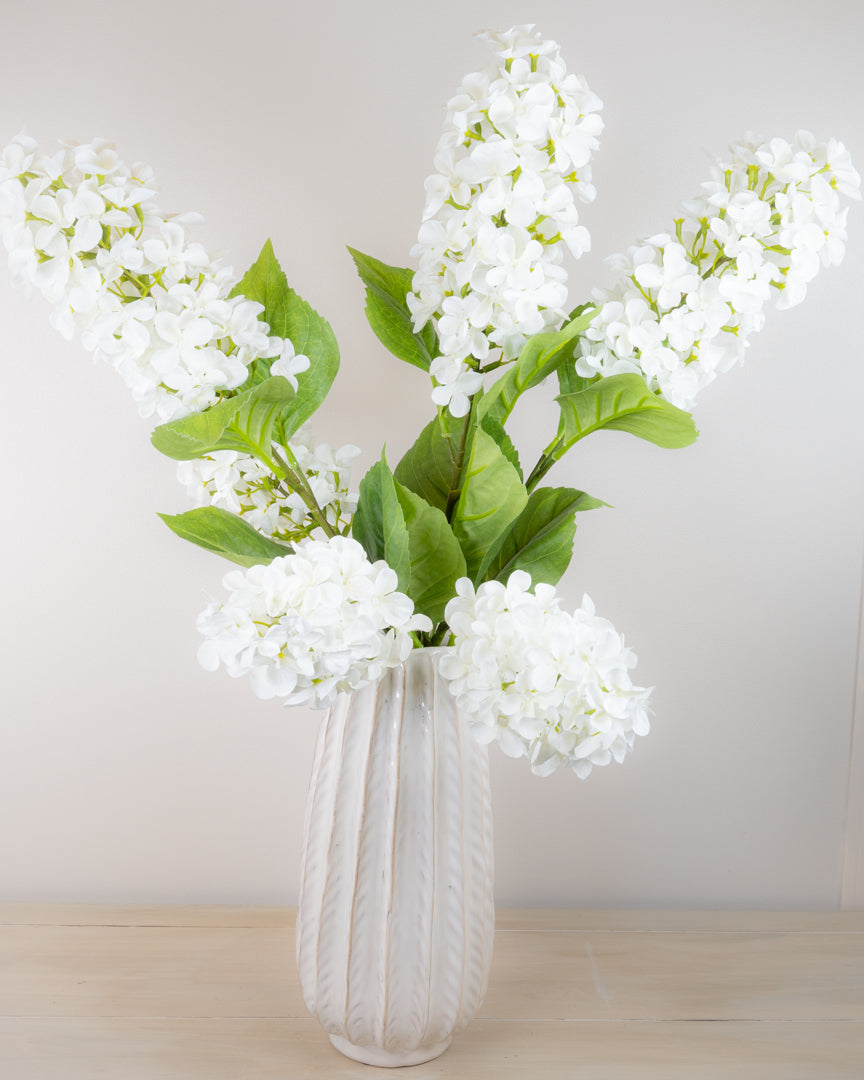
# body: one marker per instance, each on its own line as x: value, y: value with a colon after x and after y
x: 683, y: 307
x: 546, y: 684
x: 500, y: 209
x: 81, y: 228
x: 244, y: 485
x: 310, y: 625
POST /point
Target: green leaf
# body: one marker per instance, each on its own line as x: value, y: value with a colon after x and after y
x: 225, y: 534
x: 436, y: 558
x: 388, y: 314
x: 266, y: 283
x: 244, y: 422
x: 429, y: 337
x: 540, y: 540
x: 251, y: 430
x: 540, y: 357
x: 568, y: 381
x: 195, y: 435
x: 312, y: 336
x: 379, y: 523
x: 623, y: 403
x: 291, y: 317
x: 495, y: 428
x: 492, y: 496
x: 433, y: 466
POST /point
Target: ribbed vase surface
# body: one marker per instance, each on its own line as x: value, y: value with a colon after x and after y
x: 394, y: 930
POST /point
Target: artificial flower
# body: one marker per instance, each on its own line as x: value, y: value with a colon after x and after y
x: 501, y: 209
x: 545, y: 684
x: 683, y: 307
x: 312, y: 624
x: 81, y: 227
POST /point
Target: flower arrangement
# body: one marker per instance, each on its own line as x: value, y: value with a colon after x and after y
x: 455, y: 545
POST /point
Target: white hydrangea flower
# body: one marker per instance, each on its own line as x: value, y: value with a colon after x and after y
x: 312, y: 624
x: 683, y: 307
x: 245, y: 486
x: 288, y: 364
x: 81, y: 228
x: 500, y: 210
x: 546, y: 684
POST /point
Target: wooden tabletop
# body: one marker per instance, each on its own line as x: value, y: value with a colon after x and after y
x: 96, y: 992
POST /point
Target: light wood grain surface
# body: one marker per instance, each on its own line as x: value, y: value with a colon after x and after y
x: 94, y: 992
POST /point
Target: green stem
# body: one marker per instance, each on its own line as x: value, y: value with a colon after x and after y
x: 298, y: 483
x: 430, y: 638
x: 440, y: 634
x: 491, y: 367
x: 544, y: 463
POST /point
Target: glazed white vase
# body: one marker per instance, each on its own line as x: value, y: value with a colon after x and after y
x: 394, y: 930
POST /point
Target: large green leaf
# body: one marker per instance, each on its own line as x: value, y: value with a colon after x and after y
x: 433, y: 466
x: 244, y: 422
x: 623, y: 403
x: 225, y: 534
x: 491, y: 496
x: 540, y: 540
x: 388, y: 314
x: 437, y: 561
x: 540, y: 357
x: 379, y: 522
x: 291, y: 317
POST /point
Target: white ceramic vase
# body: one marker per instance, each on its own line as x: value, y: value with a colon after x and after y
x: 396, y: 917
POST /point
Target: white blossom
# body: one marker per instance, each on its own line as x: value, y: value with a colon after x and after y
x: 501, y: 209
x: 683, y: 307
x: 546, y: 684
x: 311, y: 624
x: 288, y: 364
x: 81, y: 227
x: 244, y: 485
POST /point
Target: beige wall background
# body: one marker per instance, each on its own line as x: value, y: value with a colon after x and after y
x: 734, y: 567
